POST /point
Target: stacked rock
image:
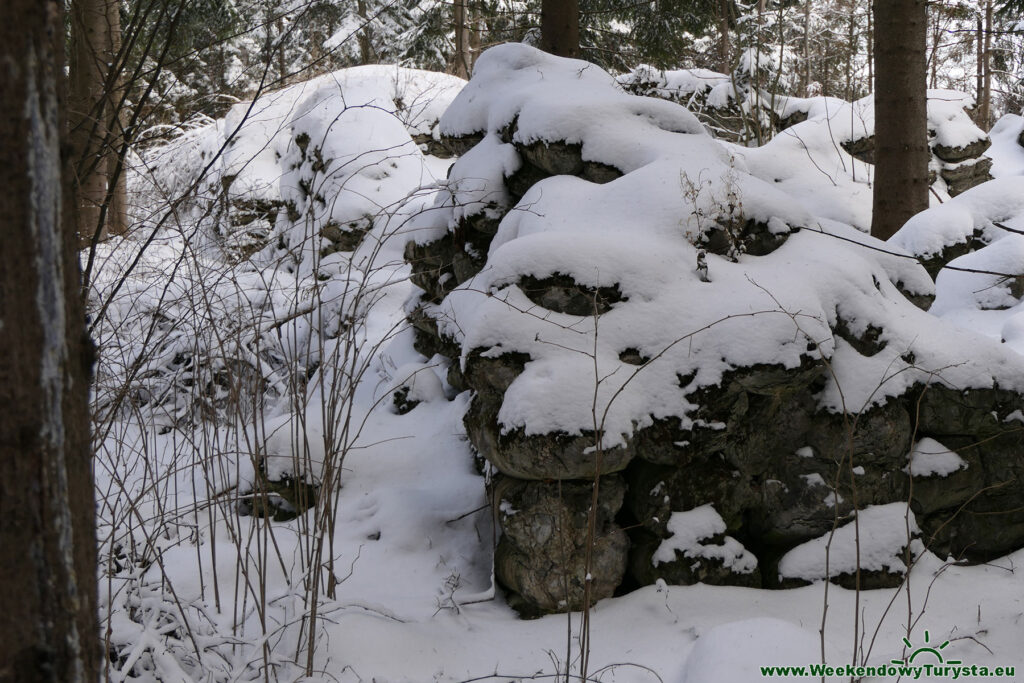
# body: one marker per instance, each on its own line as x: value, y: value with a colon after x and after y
x: 957, y: 144
x: 646, y: 417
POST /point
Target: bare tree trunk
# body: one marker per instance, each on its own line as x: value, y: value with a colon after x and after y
x: 560, y: 27
x: 933, y: 58
x: 476, y: 31
x: 461, y: 59
x: 282, y: 61
x: 48, y: 629
x: 871, y: 43
x: 851, y: 50
x: 986, y: 99
x: 724, y: 45
x: 980, y: 88
x: 94, y: 117
x: 366, y: 52
x: 901, y: 116
x: 807, y: 49
x: 117, y: 213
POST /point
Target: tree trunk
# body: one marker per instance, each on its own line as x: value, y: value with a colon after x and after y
x: 48, y: 629
x: 366, y: 53
x: 980, y: 97
x: 724, y: 45
x: 851, y: 48
x: 986, y: 100
x: 901, y: 115
x: 807, y: 49
x: 461, y: 59
x: 117, y: 213
x: 282, y: 61
x: 560, y: 27
x: 476, y: 31
x: 870, y: 50
x: 933, y: 57
x: 94, y: 118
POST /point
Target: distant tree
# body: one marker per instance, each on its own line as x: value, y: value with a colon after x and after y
x: 95, y: 107
x: 901, y: 116
x: 48, y: 627
x: 560, y: 27
x: 663, y: 31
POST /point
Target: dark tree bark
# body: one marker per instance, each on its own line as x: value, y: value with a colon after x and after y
x: 560, y: 27
x: 901, y: 115
x: 48, y: 629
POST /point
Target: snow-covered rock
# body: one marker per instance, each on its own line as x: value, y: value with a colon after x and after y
x: 878, y: 544
x: 310, y: 167
x: 689, y: 322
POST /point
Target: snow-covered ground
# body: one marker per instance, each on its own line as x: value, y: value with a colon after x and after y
x: 193, y: 591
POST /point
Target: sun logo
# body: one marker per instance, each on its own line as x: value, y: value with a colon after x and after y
x: 926, y: 649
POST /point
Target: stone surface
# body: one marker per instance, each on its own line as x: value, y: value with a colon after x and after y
x: 936, y: 262
x: 922, y: 301
x: 964, y: 176
x: 956, y: 154
x: 282, y: 499
x: 562, y: 294
x: 737, y: 237
x: 861, y: 148
x: 685, y: 570
x: 459, y: 145
x: 344, y: 237
x: 542, y: 552
x: 976, y: 514
x: 554, y: 158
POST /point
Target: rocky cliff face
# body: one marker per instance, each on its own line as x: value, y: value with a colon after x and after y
x: 671, y: 355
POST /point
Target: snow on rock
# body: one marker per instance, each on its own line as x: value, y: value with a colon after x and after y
x: 876, y: 543
x: 953, y: 135
x: 412, y: 384
x: 965, y: 223
x: 313, y: 165
x: 545, y: 99
x: 268, y: 228
x: 735, y: 652
x: 678, y: 85
x: 824, y: 151
x: 639, y: 297
x: 929, y: 458
x: 1012, y: 332
x: 991, y: 278
x: 699, y: 545
x: 712, y: 96
x: 1007, y: 151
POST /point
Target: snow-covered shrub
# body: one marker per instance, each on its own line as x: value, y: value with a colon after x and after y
x: 240, y: 328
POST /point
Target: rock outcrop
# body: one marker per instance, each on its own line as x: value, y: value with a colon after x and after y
x: 705, y: 389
